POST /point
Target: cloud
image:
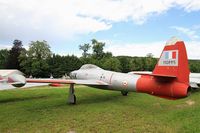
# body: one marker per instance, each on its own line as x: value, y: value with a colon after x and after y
x: 35, y: 19
x: 189, y: 32
x: 137, y: 11
x: 142, y: 49
x: 135, y: 49
x: 9, y: 46
x: 63, y: 19
x: 4, y: 46
x: 189, y: 5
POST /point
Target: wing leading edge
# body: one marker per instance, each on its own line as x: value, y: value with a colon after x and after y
x: 68, y: 81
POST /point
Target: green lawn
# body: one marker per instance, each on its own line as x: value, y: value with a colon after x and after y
x: 44, y: 109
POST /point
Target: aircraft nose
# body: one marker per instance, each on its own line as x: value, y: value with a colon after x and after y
x: 72, y: 75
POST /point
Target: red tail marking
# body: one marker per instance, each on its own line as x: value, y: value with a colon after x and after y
x: 170, y: 78
x: 174, y: 55
x: 181, y: 71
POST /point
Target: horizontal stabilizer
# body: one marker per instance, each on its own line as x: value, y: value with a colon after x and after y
x: 157, y: 75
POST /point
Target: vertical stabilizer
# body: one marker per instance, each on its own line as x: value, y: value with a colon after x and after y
x: 174, y: 61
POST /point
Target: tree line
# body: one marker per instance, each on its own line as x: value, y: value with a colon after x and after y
x: 39, y: 61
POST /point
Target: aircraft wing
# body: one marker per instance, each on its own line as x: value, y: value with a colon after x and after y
x: 2, y: 80
x: 195, y: 82
x: 68, y: 81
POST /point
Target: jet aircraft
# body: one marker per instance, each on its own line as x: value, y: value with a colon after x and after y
x: 169, y: 79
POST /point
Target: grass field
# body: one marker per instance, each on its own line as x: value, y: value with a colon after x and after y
x: 44, y: 109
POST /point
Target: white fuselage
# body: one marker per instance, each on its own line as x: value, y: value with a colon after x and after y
x: 115, y: 80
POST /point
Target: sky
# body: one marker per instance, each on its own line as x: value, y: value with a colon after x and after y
x: 128, y: 27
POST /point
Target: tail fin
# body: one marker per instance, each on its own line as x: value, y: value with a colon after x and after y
x: 173, y: 61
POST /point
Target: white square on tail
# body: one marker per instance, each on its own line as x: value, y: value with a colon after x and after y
x: 169, y: 58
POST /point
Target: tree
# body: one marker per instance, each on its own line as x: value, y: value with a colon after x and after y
x: 13, y: 61
x: 150, y: 55
x: 112, y: 64
x: 125, y: 63
x: 71, y: 63
x: 137, y: 64
x: 150, y: 62
x: 39, y: 50
x: 97, y: 47
x: 194, y: 66
x: 3, y: 58
x: 55, y: 62
x: 25, y: 62
x: 34, y: 61
x: 61, y: 65
x: 85, y: 47
x: 107, y: 55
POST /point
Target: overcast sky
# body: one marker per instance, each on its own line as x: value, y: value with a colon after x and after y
x: 129, y: 27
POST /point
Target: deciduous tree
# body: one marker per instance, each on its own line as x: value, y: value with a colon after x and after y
x: 34, y: 60
x: 98, y: 47
x: 85, y: 47
x: 4, y: 53
x: 13, y: 61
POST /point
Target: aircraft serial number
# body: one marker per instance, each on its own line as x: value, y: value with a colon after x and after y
x: 170, y: 62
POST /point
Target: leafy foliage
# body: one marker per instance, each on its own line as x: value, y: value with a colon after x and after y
x: 63, y: 65
x: 85, y: 47
x: 12, y: 60
x: 97, y: 47
x: 4, y: 53
x: 34, y: 60
x: 194, y: 66
x: 112, y: 64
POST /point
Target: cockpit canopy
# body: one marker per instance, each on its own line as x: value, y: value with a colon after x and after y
x: 89, y: 66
